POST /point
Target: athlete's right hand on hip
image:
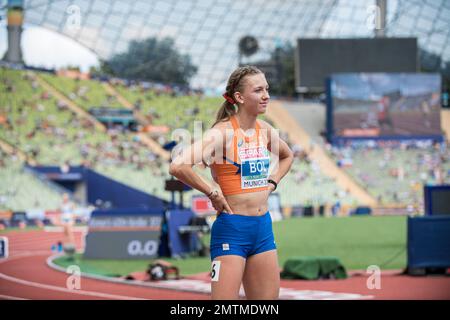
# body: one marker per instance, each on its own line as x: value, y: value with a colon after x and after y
x: 220, y: 203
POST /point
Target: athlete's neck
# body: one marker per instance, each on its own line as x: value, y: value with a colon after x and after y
x: 246, y: 121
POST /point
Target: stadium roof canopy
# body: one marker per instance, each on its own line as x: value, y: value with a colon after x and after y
x: 209, y: 30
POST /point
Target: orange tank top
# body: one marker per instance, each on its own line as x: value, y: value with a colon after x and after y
x: 246, y: 169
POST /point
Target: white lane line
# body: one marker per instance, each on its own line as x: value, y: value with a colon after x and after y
x: 40, y: 243
x: 204, y: 287
x: 22, y: 254
x: 2, y: 296
x: 61, y: 229
x: 61, y: 289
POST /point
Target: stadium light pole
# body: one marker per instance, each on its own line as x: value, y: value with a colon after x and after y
x: 15, y: 21
x: 380, y: 29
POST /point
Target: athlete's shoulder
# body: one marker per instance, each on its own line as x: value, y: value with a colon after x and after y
x: 223, y: 128
x: 264, y: 124
x: 223, y: 125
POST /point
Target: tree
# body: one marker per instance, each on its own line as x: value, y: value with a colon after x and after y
x: 153, y: 60
x: 102, y: 70
x: 285, y: 56
x: 431, y: 62
x: 280, y: 70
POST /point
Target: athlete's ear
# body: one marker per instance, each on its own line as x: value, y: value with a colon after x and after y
x: 238, y: 97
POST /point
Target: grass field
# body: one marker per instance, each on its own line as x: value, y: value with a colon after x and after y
x: 357, y: 241
x: 17, y: 229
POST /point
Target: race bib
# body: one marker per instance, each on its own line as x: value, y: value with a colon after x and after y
x: 255, y: 163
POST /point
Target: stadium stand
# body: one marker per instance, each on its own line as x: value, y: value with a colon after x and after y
x: 301, y: 138
x: 83, y: 92
x: 69, y: 103
x: 392, y: 172
x: 396, y: 172
x: 20, y: 190
x: 54, y: 134
x: 51, y: 132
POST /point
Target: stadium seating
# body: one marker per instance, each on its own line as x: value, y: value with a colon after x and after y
x: 85, y: 93
x: 48, y: 131
x: 396, y: 175
x: 306, y: 184
x: 164, y: 108
x: 20, y: 190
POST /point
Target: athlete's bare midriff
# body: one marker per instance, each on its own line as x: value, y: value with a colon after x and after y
x: 249, y: 204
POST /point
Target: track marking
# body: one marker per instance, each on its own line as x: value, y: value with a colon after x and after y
x: 60, y: 289
x: 21, y: 254
x: 2, y: 296
x: 60, y: 229
x: 204, y: 287
x: 56, y: 288
x: 285, y: 293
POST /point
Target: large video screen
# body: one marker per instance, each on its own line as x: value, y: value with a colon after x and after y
x: 316, y: 59
x: 384, y: 105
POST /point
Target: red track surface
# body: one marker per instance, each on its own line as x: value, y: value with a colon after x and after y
x: 25, y: 275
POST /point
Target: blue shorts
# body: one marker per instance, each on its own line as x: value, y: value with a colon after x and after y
x: 233, y: 234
